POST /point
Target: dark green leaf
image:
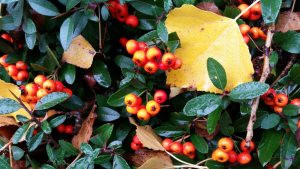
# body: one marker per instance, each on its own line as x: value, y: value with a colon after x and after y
x: 162, y: 32
x: 57, y: 121
x: 80, y: 22
x: 292, y: 44
x: 273, y: 59
x: 144, y: 7
x: 7, y: 1
x: 168, y: 131
x: 86, y: 148
x: 4, y: 164
x: 212, y: 120
x: 8, y: 106
x: 66, y: 33
x: 247, y: 91
x: 280, y: 37
x: 52, y: 56
x: 231, y: 12
x: 199, y: 143
x: 124, y: 62
x: 49, y: 152
x: 51, y: 100
x: 44, y: 7
x: 3, y: 74
x: 115, y: 144
x: 167, y: 5
x: 68, y: 148
x: 105, y: 130
x: 71, y: 4
x: 123, y: 130
x: 148, y: 36
x: 290, y: 110
x: 7, y: 23
x: 29, y: 133
x: 106, y: 114
x: 216, y: 73
x: 245, y: 107
x: 268, y: 145
x: 101, y: 73
x: 270, y: 121
x: 19, y: 133
x: 40, y: 68
x: 29, y: 26
x: 294, y: 74
x: 30, y: 40
x: 183, y: 158
x: 214, y: 165
x: 22, y: 118
x: 147, y: 24
x: 47, y: 166
x: 46, y: 127
x: 240, y: 125
x: 292, y: 124
x: 288, y: 149
x: 69, y: 72
x: 16, y: 10
x: 270, y: 10
x: 120, y: 163
x: 81, y: 163
x: 34, y: 142
x: 17, y: 152
x: 104, y: 13
x: 202, y: 105
x: 178, y: 119
x: 102, y: 159
x: 73, y: 103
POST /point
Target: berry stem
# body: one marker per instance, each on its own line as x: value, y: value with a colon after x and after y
x: 189, y: 165
x: 255, y: 44
x: 203, y: 161
x: 99, y: 12
x: 65, y: 13
x: 75, y: 160
x: 276, y: 165
x: 236, y: 18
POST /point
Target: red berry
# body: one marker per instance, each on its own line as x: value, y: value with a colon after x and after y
x: 61, y: 128
x: 176, y: 147
x: 21, y: 65
x: 135, y: 146
x: 232, y: 156
x: 59, y: 86
x: 281, y: 100
x: 244, y: 158
x: 143, y: 46
x: 188, y: 148
x: 136, y: 140
x: 295, y: 102
x: 22, y: 75
x: 166, y: 143
x: 123, y: 41
x: 160, y: 96
x: 12, y: 70
x: 49, y: 85
x: 68, y: 91
x: 69, y: 129
x: 132, y: 21
x: 34, y: 132
x: 252, y: 146
x: 162, y: 66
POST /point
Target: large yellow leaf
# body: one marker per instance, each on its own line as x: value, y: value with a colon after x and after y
x: 4, y: 93
x: 202, y: 35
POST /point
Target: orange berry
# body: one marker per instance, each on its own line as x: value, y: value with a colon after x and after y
x: 30, y: 99
x: 32, y: 89
x: 39, y: 80
x: 41, y: 93
x: 68, y: 91
x: 242, y: 7
x: 261, y: 33
x: 188, y: 148
x: 278, y: 109
x: 168, y: 59
x: 225, y: 144
x: 246, y: 39
x: 270, y: 94
x: 254, y: 17
x: 244, y: 158
x: 252, y: 146
x: 21, y: 65
x: 191, y: 156
x: 7, y: 37
x: 232, y: 156
x: 143, y: 114
x: 160, y: 96
x: 151, y: 67
x: 298, y: 125
x: 2, y: 61
x: 254, y: 32
x: 153, y: 54
x: 139, y: 58
x: 256, y: 9
x: 123, y: 41
x: 132, y: 110
x: 132, y: 46
x: 32, y: 105
x: 176, y: 147
x: 22, y: 75
x: 295, y: 102
x: 213, y: 155
x: 12, y: 70
x: 281, y: 100
x: 166, y: 143
x: 152, y: 107
x: 244, y: 28
x: 143, y: 46
x: 131, y: 100
x: 269, y: 102
x: 49, y: 85
x: 263, y: 38
x: 221, y: 156
x: 178, y: 64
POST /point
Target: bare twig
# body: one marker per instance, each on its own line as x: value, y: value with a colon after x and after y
x: 183, y: 138
x: 10, y: 156
x: 203, y: 161
x: 263, y: 78
x: 75, y: 160
x: 254, y: 43
x: 161, y: 16
x: 6, y: 145
x: 67, y: 12
x: 286, y: 69
x: 99, y: 17
x: 276, y: 165
x: 189, y: 165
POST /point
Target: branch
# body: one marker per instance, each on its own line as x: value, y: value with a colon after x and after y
x: 276, y: 165
x: 75, y: 160
x: 162, y: 15
x: 263, y: 78
x: 286, y: 69
x: 65, y: 13
x: 99, y: 16
x: 203, y: 161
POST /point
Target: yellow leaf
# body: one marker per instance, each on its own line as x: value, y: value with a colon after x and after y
x: 156, y: 162
x: 4, y: 93
x: 205, y: 34
x: 80, y: 53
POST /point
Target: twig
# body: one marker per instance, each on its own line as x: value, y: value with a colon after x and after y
x: 10, y: 156
x: 161, y: 16
x: 99, y: 17
x: 236, y: 18
x: 75, y: 160
x: 67, y: 12
x: 286, y: 69
x: 276, y: 165
x: 189, y: 165
x: 255, y: 44
x: 183, y: 138
x: 6, y: 145
x: 203, y: 161
x: 265, y: 73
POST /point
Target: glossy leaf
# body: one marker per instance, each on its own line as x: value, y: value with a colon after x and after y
x: 120, y: 163
x: 291, y: 44
x: 216, y: 73
x: 30, y: 40
x: 66, y: 33
x: 231, y: 12
x: 162, y: 31
x: 4, y: 164
x: 47, y: 166
x: 225, y: 122
x: 73, y: 103
x: 51, y: 100
x: 104, y: 13
x: 46, y: 127
x: 102, y: 159
x: 57, y: 121
x: 8, y: 106
x: 270, y: 10
x: 19, y: 133
x: 212, y: 120
x: 101, y: 73
x: 288, y: 149
x: 247, y: 91
x: 107, y: 114
x: 44, y: 7
x: 144, y: 7
x: 29, y: 26
x: 34, y: 142
x: 199, y: 143
x: 270, y: 121
x: 71, y: 3
x: 124, y: 62
x: 123, y: 130
x: 86, y: 148
x: 294, y: 74
x: 49, y: 152
x: 290, y: 110
x: 69, y: 72
x: 168, y: 131
x: 68, y: 148
x: 240, y: 125
x: 17, y: 152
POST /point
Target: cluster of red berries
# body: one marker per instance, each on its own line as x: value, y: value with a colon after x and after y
x: 136, y: 143
x: 253, y: 14
x: 120, y: 12
x: 18, y: 41
x: 65, y: 129
x: 277, y: 101
x: 134, y: 105
x: 255, y: 33
x: 148, y: 58
x: 16, y: 71
x: 188, y: 149
x: 33, y: 92
x: 225, y: 153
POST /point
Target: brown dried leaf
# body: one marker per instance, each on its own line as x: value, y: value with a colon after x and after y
x: 209, y: 6
x: 142, y: 155
x: 86, y: 130
x: 147, y: 136
x: 156, y: 163
x: 89, y: 78
x: 8, y: 131
x: 203, y: 131
x: 6, y: 121
x: 288, y: 20
x: 80, y: 53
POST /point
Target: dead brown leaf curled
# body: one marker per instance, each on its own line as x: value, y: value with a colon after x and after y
x: 288, y: 20
x: 209, y: 6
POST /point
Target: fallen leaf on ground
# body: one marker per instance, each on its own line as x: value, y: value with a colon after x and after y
x: 288, y: 20
x: 147, y: 136
x: 156, y: 163
x: 5, y: 93
x: 203, y: 131
x: 142, y: 155
x: 86, y: 130
x: 209, y: 6
x: 80, y: 53
x: 202, y: 35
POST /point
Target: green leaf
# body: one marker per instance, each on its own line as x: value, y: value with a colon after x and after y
x: 104, y: 13
x: 123, y: 130
x: 148, y: 36
x: 294, y: 74
x: 40, y: 68
x: 167, y: 5
x: 29, y: 26
x: 73, y: 103
x: 49, y: 152
x: 68, y: 148
x: 162, y: 32
x: 270, y: 10
x: 117, y: 99
x: 173, y: 42
x: 178, y: 119
x: 30, y: 40
x: 247, y: 91
x: 147, y: 24
x: 105, y: 130
x: 106, y: 114
x: 280, y: 37
x: 80, y: 22
x: 115, y: 144
x: 57, y: 121
x: 47, y: 166
x: 7, y: 1
x: 120, y: 163
x: 7, y: 23
x: 101, y: 73
x: 268, y: 145
x: 290, y: 110
x: 199, y: 143
x: 66, y: 33
x: 214, y: 164
x: 16, y: 10
x: 81, y: 163
x: 168, y: 131
x: 292, y: 44
x: 17, y: 152
x: 245, y: 107
x: 29, y: 132
x: 270, y: 121
x: 288, y: 149
x: 46, y: 127
x: 102, y: 159
x: 212, y: 120
x: 202, y: 105
x: 240, y: 125
x: 19, y: 133
x: 144, y: 7
x: 86, y: 148
x: 34, y: 142
x: 8, y: 106
x: 3, y: 163
x: 71, y: 4
x: 52, y: 56
x: 273, y: 59
x: 124, y: 62
x: 3, y: 74
x: 22, y: 118
x: 44, y: 7
x: 51, y: 100
x: 69, y: 73
x: 216, y: 73
x: 231, y: 12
